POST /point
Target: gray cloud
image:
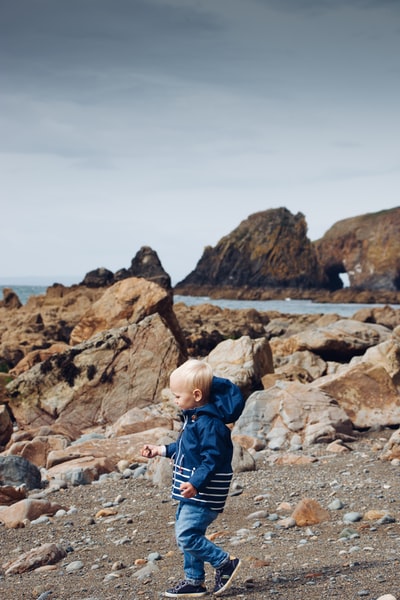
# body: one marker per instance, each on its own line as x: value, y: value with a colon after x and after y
x: 166, y: 122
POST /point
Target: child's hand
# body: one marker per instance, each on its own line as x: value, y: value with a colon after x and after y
x: 149, y: 451
x: 188, y: 490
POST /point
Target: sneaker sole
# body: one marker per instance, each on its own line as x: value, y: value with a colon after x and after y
x: 230, y: 580
x: 195, y: 595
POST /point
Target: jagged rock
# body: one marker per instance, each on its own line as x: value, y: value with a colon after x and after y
x: 97, y: 381
x: 137, y: 419
x: 147, y: 264
x: 125, y: 302
x: 49, y: 319
x: 100, y: 277
x: 80, y: 470
x: 10, y: 299
x: 204, y: 326
x: 367, y: 248
x: 305, y: 366
x: 268, y: 249
x: 16, y: 471
x: 44, y: 320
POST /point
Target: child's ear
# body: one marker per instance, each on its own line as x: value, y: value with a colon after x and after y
x: 197, y: 395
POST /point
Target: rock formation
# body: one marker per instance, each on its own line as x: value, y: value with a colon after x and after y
x: 269, y: 256
x: 145, y: 264
x: 367, y: 248
x: 268, y: 249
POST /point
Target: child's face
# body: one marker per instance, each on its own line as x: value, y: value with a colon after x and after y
x: 185, y: 397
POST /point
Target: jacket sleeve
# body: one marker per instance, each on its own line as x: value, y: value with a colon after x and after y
x: 170, y: 450
x: 215, y: 449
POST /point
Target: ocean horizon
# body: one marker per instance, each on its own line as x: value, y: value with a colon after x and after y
x: 288, y: 306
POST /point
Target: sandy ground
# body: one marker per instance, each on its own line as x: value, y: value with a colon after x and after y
x: 300, y: 563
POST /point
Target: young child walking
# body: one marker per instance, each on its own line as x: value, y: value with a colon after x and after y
x: 202, y: 472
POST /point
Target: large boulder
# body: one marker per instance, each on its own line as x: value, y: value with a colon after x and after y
x: 243, y: 361
x: 97, y: 381
x: 368, y: 389
x: 127, y: 301
x: 16, y: 471
x: 290, y: 414
x: 339, y: 341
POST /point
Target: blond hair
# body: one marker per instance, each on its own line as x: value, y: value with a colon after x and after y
x: 196, y: 374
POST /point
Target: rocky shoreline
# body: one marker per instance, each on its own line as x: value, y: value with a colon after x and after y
x: 85, y: 516
x: 342, y: 296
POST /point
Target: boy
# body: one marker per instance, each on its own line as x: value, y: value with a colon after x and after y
x: 202, y: 472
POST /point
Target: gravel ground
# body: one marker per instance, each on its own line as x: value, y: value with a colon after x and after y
x: 111, y: 551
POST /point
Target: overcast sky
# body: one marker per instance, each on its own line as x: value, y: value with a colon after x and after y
x: 165, y: 123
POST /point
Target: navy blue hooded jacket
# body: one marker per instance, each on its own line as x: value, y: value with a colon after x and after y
x: 203, y: 452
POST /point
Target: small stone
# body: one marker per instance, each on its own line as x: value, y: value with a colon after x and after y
x: 154, y: 556
x: 335, y: 504
x: 352, y: 517
x: 76, y: 565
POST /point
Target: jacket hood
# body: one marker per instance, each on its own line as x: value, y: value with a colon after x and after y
x: 226, y: 401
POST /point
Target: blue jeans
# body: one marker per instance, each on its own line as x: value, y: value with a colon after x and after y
x: 190, y: 528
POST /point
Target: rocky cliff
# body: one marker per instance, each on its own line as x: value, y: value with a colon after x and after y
x: 270, y: 253
x: 268, y: 249
x: 367, y: 248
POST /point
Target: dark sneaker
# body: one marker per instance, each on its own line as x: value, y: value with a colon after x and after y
x: 225, y: 575
x: 185, y: 589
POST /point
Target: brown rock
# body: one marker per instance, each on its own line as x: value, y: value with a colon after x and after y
x: 10, y: 494
x: 98, y: 381
x: 268, y: 249
x: 339, y: 341
x: 243, y: 361
x: 44, y: 320
x: 366, y: 247
x: 295, y: 459
x: 309, y: 512
x: 46, y: 554
x: 367, y: 395
x: 110, y: 450
x: 10, y: 299
x: 28, y: 509
x: 78, y: 469
x: 36, y: 356
x: 6, y: 427
x: 204, y: 326
x: 291, y: 411
x: 37, y: 450
x: 128, y: 301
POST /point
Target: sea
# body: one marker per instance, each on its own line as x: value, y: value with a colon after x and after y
x: 288, y: 306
